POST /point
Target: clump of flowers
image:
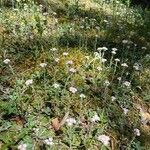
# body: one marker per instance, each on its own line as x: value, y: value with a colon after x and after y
x: 56, y: 85
x: 127, y: 84
x: 29, y: 82
x: 104, y: 139
x: 49, y: 141
x: 22, y: 147
x: 73, y: 90
x: 71, y: 121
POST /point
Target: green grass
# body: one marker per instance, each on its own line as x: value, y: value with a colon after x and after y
x: 74, y: 74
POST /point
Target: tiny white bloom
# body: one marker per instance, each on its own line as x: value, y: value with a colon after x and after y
x: 104, y: 139
x: 99, y: 68
x: 106, y: 83
x: 82, y: 95
x: 105, y: 48
x: 56, y: 85
x: 125, y: 110
x: 125, y: 41
x: 72, y: 70
x: 124, y: 65
x: 114, y: 49
x: 49, y: 141
x: 22, y: 147
x: 43, y: 65
x: 73, y: 90
x: 71, y: 121
x: 137, y: 132
x: 144, y: 48
x: 29, y: 82
x: 95, y: 118
x: 104, y: 60
x: 53, y: 49
x: 6, y: 61
x: 117, y: 60
x: 119, y: 78
x: 126, y: 83
x: 69, y: 62
x: 65, y: 53
x: 57, y: 60
x: 136, y: 66
x: 113, y: 98
x: 113, y: 52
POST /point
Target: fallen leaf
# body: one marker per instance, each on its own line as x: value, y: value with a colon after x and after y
x: 56, y: 124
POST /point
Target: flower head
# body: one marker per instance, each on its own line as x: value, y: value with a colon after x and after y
x: 106, y: 83
x: 43, y: 65
x: 49, y: 141
x: 22, y: 147
x: 124, y: 65
x: 65, y: 54
x: 82, y: 95
x: 114, y: 49
x: 137, y: 132
x: 6, y: 61
x: 71, y: 121
x: 117, y: 60
x: 72, y: 70
x: 29, y: 82
x: 95, y: 118
x: 104, y: 60
x: 104, y: 139
x: 125, y: 110
x: 127, y: 84
x: 69, y: 62
x: 56, y: 85
x: 113, y: 98
x: 57, y: 60
x: 53, y: 49
x: 125, y: 41
x: 73, y: 90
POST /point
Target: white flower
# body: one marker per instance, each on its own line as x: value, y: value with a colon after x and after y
x: 113, y: 98
x: 95, y: 118
x: 119, y: 78
x: 124, y: 65
x: 113, y: 52
x: 105, y: 48
x: 56, y: 85
x: 104, y: 139
x: 57, y: 60
x: 136, y: 66
x: 117, y: 60
x: 73, y: 90
x: 137, y: 132
x: 126, y: 83
x: 124, y: 41
x: 22, y: 147
x: 6, y: 61
x: 49, y: 141
x: 53, y: 49
x: 106, y: 83
x: 72, y: 70
x: 43, y: 65
x: 125, y: 110
x: 114, y: 49
x: 71, y: 121
x: 99, y: 68
x: 144, y: 48
x: 82, y: 95
x: 69, y: 62
x: 65, y: 53
x: 102, y: 48
x: 29, y: 82
x: 104, y: 60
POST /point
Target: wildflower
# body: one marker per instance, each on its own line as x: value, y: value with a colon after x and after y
x: 105, y: 48
x: 113, y: 98
x: 99, y: 68
x: 105, y: 21
x: 124, y: 65
x: 113, y: 52
x: 104, y: 60
x: 119, y: 78
x: 117, y: 60
x: 126, y: 83
x: 57, y: 60
x: 106, y: 83
x: 125, y: 41
x: 95, y: 118
x: 72, y: 70
x: 136, y: 66
x: 22, y: 147
x: 6, y: 61
x: 71, y: 121
x: 29, y: 82
x: 144, y: 48
x: 69, y: 62
x: 73, y: 90
x: 53, y: 49
x: 125, y: 110
x: 56, y: 85
x: 65, y: 54
x: 114, y: 49
x: 43, y: 65
x: 137, y: 132
x: 104, y: 139
x: 82, y: 95
x: 49, y: 141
